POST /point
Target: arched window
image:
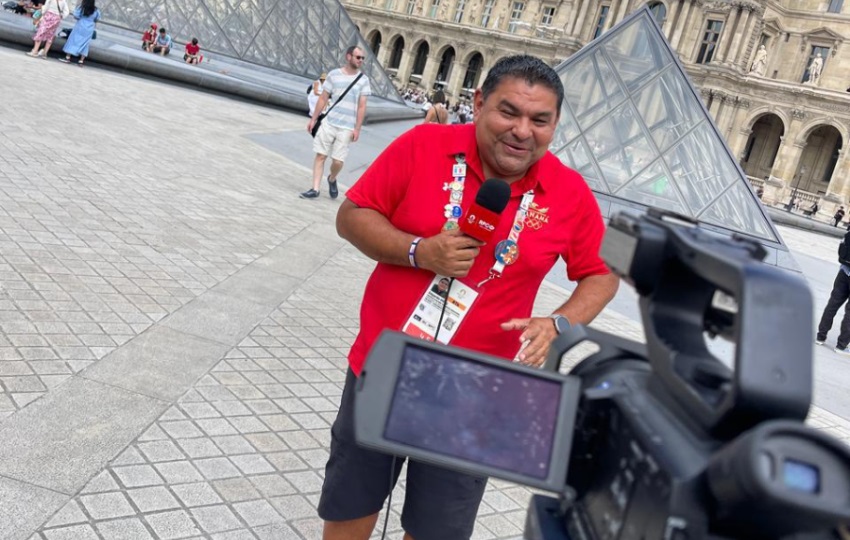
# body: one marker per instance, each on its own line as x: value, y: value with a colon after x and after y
x: 376, y: 42
x: 473, y: 71
x: 446, y: 63
x: 421, y: 58
x: 659, y: 11
x: 398, y: 50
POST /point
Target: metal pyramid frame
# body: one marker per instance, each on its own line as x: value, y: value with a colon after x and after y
x: 634, y: 126
x: 301, y: 37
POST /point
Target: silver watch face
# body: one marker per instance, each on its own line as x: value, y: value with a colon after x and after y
x: 561, y: 324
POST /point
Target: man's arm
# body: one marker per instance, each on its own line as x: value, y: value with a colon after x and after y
x: 361, y: 114
x: 589, y: 298
x: 447, y: 253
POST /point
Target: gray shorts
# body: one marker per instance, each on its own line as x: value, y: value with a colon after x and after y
x: 439, y: 504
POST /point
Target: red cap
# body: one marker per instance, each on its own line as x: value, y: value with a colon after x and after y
x: 153, y: 25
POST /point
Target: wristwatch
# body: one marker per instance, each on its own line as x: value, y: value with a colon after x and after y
x: 562, y: 324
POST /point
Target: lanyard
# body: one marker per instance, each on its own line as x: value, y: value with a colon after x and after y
x: 453, y: 211
x: 507, y: 251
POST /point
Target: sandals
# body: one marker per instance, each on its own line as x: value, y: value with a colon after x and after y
x: 64, y: 60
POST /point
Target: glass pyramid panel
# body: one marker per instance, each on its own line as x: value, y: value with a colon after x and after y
x: 577, y: 154
x: 654, y: 187
x: 634, y: 126
x: 301, y: 37
x: 620, y: 146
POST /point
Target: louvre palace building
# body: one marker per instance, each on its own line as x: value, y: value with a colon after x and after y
x: 772, y: 73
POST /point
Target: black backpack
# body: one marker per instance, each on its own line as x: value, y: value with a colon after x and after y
x: 844, y: 250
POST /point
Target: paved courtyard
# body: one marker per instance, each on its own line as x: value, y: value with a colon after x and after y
x: 174, y: 320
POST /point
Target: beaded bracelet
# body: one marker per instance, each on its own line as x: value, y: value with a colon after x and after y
x: 411, y: 253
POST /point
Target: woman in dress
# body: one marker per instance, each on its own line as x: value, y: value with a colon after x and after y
x: 51, y: 17
x: 315, y: 92
x: 437, y: 114
x: 87, y: 16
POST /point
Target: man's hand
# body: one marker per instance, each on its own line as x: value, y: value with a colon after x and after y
x: 310, y: 125
x: 535, y: 340
x: 450, y: 253
x: 355, y: 134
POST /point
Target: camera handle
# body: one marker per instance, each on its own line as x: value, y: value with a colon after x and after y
x: 611, y: 348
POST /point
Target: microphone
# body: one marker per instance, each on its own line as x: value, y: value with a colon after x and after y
x: 483, y: 215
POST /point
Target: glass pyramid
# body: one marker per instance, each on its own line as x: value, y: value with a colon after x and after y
x: 301, y: 37
x: 634, y: 127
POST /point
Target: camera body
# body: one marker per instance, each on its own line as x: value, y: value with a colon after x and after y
x: 658, y: 441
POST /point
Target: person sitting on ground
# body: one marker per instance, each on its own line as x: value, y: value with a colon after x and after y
x: 193, y: 52
x: 813, y: 209
x: 437, y: 114
x: 36, y: 12
x: 148, y: 37
x: 162, y: 44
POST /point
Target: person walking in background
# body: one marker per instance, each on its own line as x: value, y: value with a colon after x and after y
x: 78, y: 42
x: 343, y: 122
x: 51, y: 17
x: 838, y: 297
x: 315, y: 92
x: 193, y: 52
x: 839, y: 215
x: 438, y: 113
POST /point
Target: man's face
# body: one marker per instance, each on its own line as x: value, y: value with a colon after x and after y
x: 355, y: 59
x: 514, y: 126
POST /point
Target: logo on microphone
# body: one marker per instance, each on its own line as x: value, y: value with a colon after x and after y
x: 481, y: 224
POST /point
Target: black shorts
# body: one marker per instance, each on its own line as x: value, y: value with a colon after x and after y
x: 439, y: 504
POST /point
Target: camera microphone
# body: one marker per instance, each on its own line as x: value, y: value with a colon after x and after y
x: 483, y: 215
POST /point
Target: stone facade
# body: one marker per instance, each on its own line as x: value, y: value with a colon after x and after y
x: 787, y: 119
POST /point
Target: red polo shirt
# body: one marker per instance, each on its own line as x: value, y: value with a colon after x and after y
x: 406, y: 184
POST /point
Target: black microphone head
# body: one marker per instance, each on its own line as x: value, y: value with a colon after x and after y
x: 493, y: 195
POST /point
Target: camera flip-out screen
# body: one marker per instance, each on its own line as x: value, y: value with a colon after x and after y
x: 465, y: 410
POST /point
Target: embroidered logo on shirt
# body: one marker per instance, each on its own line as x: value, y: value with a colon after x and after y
x: 537, y: 217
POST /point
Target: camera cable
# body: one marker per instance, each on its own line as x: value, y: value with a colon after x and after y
x: 392, y: 467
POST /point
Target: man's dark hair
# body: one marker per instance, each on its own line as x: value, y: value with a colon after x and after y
x: 194, y: 41
x: 351, y: 49
x: 528, y: 68
x: 162, y: 30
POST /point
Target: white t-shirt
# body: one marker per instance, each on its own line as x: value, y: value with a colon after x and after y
x: 344, y: 113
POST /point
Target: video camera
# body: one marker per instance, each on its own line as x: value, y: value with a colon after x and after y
x: 657, y: 441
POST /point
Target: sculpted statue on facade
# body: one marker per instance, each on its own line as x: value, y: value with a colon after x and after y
x: 760, y: 62
x: 815, y: 69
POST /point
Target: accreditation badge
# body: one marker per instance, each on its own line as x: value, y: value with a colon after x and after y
x: 456, y: 296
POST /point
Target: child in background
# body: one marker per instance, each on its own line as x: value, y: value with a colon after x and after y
x: 193, y: 52
x: 148, y: 37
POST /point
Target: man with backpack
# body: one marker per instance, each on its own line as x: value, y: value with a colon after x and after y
x: 839, y: 295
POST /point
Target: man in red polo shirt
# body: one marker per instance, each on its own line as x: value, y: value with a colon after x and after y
x: 404, y: 213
